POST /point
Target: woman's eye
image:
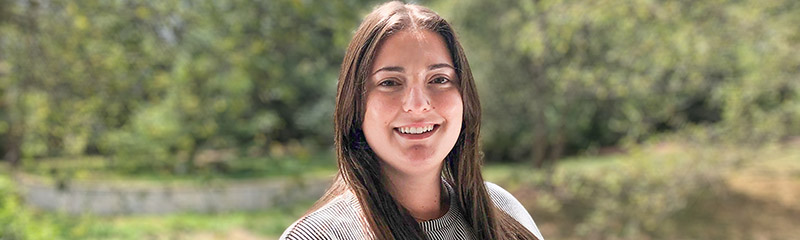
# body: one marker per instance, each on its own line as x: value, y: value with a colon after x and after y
x: 388, y: 83
x: 440, y: 80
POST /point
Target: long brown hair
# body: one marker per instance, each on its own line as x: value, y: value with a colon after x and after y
x: 359, y: 167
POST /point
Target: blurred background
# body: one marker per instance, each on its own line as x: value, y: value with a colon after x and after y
x: 175, y: 119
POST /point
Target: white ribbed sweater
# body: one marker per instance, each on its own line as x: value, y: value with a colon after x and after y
x: 341, y: 219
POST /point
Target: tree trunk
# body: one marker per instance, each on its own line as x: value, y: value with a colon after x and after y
x: 12, y: 152
x: 557, y: 149
x: 540, y: 142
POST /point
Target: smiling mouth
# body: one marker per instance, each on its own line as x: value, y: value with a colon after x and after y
x: 417, y: 132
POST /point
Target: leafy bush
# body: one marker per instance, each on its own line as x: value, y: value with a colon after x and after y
x: 17, y: 222
x: 157, y: 82
x: 638, y: 195
x: 562, y: 77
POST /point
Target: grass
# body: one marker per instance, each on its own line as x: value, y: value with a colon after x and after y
x: 265, y: 224
x: 268, y: 224
x: 515, y: 173
x: 30, y: 223
x: 99, y: 168
x: 757, y: 199
x: 760, y: 200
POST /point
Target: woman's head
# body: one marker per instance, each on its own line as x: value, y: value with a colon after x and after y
x: 405, y: 71
x: 413, y: 111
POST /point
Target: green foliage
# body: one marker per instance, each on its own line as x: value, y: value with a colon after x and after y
x: 154, y: 86
x: 156, y: 82
x: 640, y: 195
x: 19, y: 222
x: 13, y: 224
x: 99, y: 169
x: 565, y: 76
x: 191, y: 225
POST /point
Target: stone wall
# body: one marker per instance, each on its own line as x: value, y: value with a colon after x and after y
x: 111, y: 198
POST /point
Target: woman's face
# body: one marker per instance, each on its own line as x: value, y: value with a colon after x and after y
x: 414, y: 108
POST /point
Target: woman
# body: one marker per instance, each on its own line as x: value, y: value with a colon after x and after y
x: 407, y: 120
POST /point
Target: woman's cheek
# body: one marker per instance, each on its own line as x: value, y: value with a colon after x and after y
x: 450, y: 103
x: 383, y: 106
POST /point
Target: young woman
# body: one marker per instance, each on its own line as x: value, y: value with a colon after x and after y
x: 407, y: 120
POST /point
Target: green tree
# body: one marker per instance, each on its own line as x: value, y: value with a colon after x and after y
x: 153, y: 82
x: 564, y: 76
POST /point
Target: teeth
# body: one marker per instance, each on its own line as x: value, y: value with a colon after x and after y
x: 416, y: 130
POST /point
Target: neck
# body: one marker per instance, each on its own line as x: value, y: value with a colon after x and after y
x: 422, y: 195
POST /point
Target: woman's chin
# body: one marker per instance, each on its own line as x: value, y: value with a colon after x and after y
x: 415, y: 164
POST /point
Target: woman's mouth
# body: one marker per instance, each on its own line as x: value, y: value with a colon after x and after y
x: 416, y: 133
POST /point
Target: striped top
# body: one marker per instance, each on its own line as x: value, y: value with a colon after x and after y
x: 341, y: 219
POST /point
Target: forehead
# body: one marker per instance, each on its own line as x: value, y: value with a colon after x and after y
x: 410, y: 48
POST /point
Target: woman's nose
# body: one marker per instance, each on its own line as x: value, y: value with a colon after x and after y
x: 416, y: 100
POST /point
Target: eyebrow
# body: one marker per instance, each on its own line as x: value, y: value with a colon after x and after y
x: 402, y: 70
x: 440, y: 65
x: 390, y: 69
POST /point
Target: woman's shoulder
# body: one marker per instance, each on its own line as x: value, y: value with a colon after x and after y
x: 339, y: 219
x: 500, y: 195
x: 511, y: 206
